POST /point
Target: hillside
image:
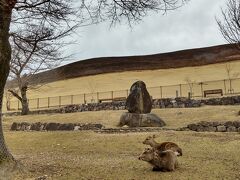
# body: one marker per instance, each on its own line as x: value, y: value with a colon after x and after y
x: 178, y: 59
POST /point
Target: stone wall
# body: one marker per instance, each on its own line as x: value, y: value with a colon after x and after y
x: 204, y: 126
x: 231, y: 100
x: 157, y: 103
x: 176, y: 103
x: 24, y: 126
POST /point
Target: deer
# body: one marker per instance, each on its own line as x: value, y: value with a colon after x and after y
x: 161, y: 161
x: 163, y: 146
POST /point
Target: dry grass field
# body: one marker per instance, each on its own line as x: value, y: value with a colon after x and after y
x: 123, y: 81
x: 89, y: 155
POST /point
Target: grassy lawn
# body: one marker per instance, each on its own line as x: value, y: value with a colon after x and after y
x: 174, y: 118
x: 88, y: 155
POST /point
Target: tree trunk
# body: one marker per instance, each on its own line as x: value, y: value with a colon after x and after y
x: 25, y: 108
x: 5, y: 57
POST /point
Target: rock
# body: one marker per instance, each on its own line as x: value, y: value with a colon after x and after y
x: 228, y: 124
x: 14, y: 126
x: 141, y: 120
x: 76, y: 128
x: 52, y: 126
x: 221, y: 128
x: 216, y: 123
x: 36, y: 126
x: 66, y: 127
x: 139, y: 100
x: 236, y: 124
x: 205, y: 123
x: 192, y: 127
x: 238, y: 129
x: 98, y: 126
x: 200, y: 128
x: 210, y: 129
x: 231, y: 129
x: 181, y: 105
x: 24, y: 126
x: 43, y: 126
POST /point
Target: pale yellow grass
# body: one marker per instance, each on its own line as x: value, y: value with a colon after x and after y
x: 174, y: 118
x: 89, y: 155
x: 123, y: 80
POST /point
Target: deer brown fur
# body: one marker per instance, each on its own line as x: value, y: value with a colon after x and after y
x: 161, y: 161
x: 163, y: 146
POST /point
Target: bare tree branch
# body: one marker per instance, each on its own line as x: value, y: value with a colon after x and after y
x: 117, y: 11
x: 229, y: 24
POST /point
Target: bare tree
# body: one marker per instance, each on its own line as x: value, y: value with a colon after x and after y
x: 229, y: 23
x: 33, y: 51
x: 190, y: 84
x: 56, y: 17
x: 230, y: 76
x: 92, y: 87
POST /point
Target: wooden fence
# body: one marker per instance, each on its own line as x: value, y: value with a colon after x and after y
x: 195, y: 90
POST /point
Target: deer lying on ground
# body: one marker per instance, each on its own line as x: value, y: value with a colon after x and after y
x: 163, y: 146
x: 161, y: 161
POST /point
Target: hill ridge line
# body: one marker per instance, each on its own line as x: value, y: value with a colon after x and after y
x: 176, y: 59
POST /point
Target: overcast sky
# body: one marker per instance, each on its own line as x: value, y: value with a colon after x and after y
x: 191, y: 26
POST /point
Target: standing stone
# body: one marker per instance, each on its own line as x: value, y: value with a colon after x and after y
x: 139, y: 100
x: 139, y: 106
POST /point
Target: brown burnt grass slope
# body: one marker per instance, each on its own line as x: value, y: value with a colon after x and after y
x: 178, y: 59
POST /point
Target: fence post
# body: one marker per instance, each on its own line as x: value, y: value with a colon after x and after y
x: 97, y: 97
x: 161, y: 91
x: 225, y: 88
x: 37, y: 103
x: 231, y: 89
x: 71, y: 99
x: 127, y: 92
x: 59, y: 101
x: 48, y: 102
x: 84, y: 98
x: 180, y: 86
x: 201, y: 83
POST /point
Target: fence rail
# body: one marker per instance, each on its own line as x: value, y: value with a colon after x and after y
x: 195, y: 90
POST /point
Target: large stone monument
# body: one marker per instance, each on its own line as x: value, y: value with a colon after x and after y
x: 139, y: 106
